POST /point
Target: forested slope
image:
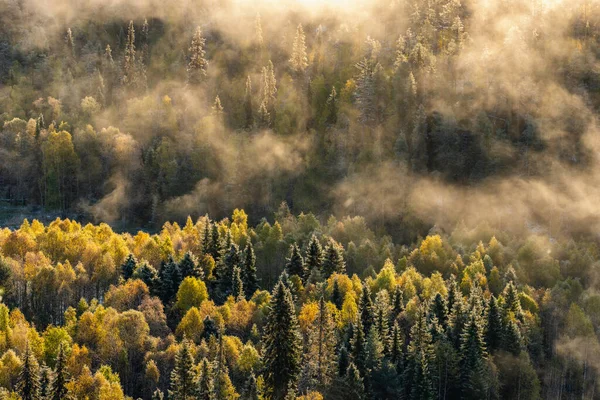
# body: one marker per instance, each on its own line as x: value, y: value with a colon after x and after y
x: 294, y: 308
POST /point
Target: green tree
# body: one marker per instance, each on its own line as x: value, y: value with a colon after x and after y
x: 281, y: 344
x: 59, y: 383
x: 493, y: 328
x: 28, y: 383
x: 314, y: 255
x: 472, y: 365
x: 419, y: 357
x: 250, y: 391
x: 295, y: 264
x: 366, y: 310
x: 183, y: 380
x: 237, y: 285
x: 188, y: 266
x: 299, y: 59
x: 337, y: 297
x: 333, y: 260
x: 205, y: 383
x: 249, y: 272
x: 128, y: 267
x: 198, y: 64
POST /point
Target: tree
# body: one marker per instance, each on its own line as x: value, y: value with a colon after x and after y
x: 359, y: 348
x: 250, y: 391
x: 237, y: 285
x: 281, y: 344
x: 473, y: 360
x: 192, y: 292
x: 217, y: 108
x: 148, y: 274
x: 248, y: 108
x: 198, y: 64
x: 129, y: 63
x: 440, y: 311
x: 332, y: 107
x: 355, y: 389
x: 183, y: 379
x: 337, y: 297
x: 60, y: 381
x: 419, y: 357
x: 249, y: 272
x: 205, y: 384
x: 170, y: 278
x: 320, y: 353
x: 493, y: 328
x: 366, y: 309
x: 299, y: 59
x: 295, y: 264
x: 28, y: 383
x: 188, y: 266
x: 128, y: 267
x: 314, y: 256
x: 333, y: 260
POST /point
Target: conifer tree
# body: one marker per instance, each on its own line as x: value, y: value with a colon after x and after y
x: 183, y: 380
x: 299, y: 59
x: 206, y: 237
x: 366, y: 309
x: 223, y: 388
x: 198, y: 64
x: 205, y: 383
x: 258, y: 31
x: 343, y: 361
x: 129, y: 63
x: 332, y: 107
x: 217, y: 108
x: 473, y: 354
x: 170, y: 278
x: 45, y: 382
x: 264, y: 117
x: 511, y: 301
x: 333, y: 260
x: 419, y: 357
x: 28, y: 383
x: 237, y: 285
x: 59, y: 383
x: 457, y: 320
x: 158, y: 395
x: 337, y: 297
x: 188, y: 266
x: 230, y: 262
x: 215, y: 243
x: 281, y: 343
x: 295, y: 264
x: 397, y: 303
x: 250, y: 391
x: 439, y: 310
x: 248, y: 107
x: 149, y: 276
x: 249, y: 272
x: 359, y: 348
x: 70, y: 42
x: 374, y: 351
x: 210, y: 328
x: 322, y: 342
x: 354, y: 386
x: 493, y: 328
x: 397, y: 348
x: 511, y: 337
x: 314, y: 256
x: 128, y: 267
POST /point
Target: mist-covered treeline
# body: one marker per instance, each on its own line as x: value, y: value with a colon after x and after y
x: 291, y: 309
x: 411, y: 113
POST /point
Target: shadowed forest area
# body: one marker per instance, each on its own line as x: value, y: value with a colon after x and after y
x: 414, y: 189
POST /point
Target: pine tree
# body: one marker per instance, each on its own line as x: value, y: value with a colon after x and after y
x: 333, y: 260
x: 250, y: 391
x: 129, y: 63
x: 457, y: 320
x: 511, y: 337
x: 397, y: 348
x: 374, y: 350
x: 249, y: 273
x: 183, y: 380
x: 128, y: 267
x: 299, y: 59
x: 215, y: 243
x: 397, y: 303
x: 354, y: 386
x: 512, y: 303
x: 237, y: 285
x: 282, y: 344
x: 205, y: 383
x: 366, y: 309
x: 314, y: 256
x: 359, y: 348
x: 188, y: 266
x: 59, y: 383
x: 337, y: 297
x: 28, y: 383
x: 295, y: 264
x: 198, y: 64
x: 230, y: 261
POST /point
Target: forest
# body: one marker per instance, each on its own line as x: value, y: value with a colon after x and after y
x: 299, y: 199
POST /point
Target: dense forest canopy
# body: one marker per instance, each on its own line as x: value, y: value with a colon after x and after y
x: 414, y: 189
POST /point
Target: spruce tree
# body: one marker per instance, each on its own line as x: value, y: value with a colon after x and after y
x: 129, y: 63
x: 249, y: 272
x: 359, y: 348
x: 170, y: 278
x: 59, y: 383
x: 214, y: 249
x: 217, y: 108
x: 210, y: 328
x: 198, y: 64
x: 250, y: 391
x: 282, y: 344
x: 472, y: 363
x: 397, y: 303
x: 314, y: 256
x: 354, y: 386
x: 158, y: 395
x: 295, y: 264
x: 493, y: 328
x: 205, y: 383
x: 343, y: 361
x: 188, y: 266
x: 440, y: 311
x: 207, y: 238
x: 511, y: 337
x: 337, y: 297
x: 149, y: 276
x: 512, y: 303
x: 366, y: 309
x: 333, y: 260
x: 299, y: 59
x: 419, y: 357
x: 237, y: 285
x: 230, y: 262
x: 248, y: 107
x: 397, y: 348
x: 128, y: 267
x: 332, y: 107
x: 28, y: 382
x: 183, y: 379
x: 45, y: 382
